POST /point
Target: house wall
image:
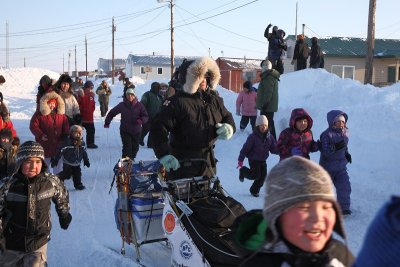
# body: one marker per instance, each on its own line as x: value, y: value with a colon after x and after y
x: 380, y: 72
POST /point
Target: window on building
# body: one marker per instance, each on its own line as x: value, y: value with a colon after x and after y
x: 343, y: 71
x: 142, y: 70
x: 159, y: 70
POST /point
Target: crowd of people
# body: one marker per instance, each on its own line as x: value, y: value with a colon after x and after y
x: 300, y: 211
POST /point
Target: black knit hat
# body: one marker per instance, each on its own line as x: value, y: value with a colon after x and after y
x: 29, y: 149
x: 88, y: 84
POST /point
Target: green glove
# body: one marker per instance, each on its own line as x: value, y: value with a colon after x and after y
x: 224, y: 131
x: 170, y: 162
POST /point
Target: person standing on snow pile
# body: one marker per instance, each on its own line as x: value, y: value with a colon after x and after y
x: 87, y: 106
x: 133, y: 116
x: 25, y: 201
x: 316, y: 56
x: 64, y: 89
x: 72, y: 152
x: 191, y: 121
x: 276, y: 46
x: 8, y: 152
x: 297, y: 139
x: 335, y: 156
x: 5, y: 120
x: 382, y: 240
x: 50, y: 127
x: 256, y: 149
x: 301, y: 53
x: 246, y: 106
x: 152, y: 101
x: 268, y: 94
x: 103, y: 92
x: 296, y: 225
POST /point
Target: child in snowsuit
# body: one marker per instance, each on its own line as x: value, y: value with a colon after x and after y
x: 246, y: 106
x: 335, y: 156
x: 73, y: 152
x: 7, y: 153
x: 295, y: 228
x: 256, y: 149
x: 25, y: 201
x: 297, y: 140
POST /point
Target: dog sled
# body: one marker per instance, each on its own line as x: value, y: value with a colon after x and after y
x: 139, y: 205
x: 197, y: 220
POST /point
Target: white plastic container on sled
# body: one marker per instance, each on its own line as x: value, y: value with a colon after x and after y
x: 147, y: 211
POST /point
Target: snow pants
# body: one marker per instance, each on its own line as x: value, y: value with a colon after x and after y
x: 90, y: 131
x: 245, y: 120
x: 74, y: 171
x: 341, y: 180
x: 130, y: 144
x: 37, y: 258
x: 256, y: 172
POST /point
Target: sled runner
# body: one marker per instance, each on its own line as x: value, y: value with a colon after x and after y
x: 139, y: 206
x: 197, y: 220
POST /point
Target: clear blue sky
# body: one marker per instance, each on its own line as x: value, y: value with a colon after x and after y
x: 44, y: 32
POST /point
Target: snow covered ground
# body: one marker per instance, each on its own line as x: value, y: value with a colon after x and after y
x: 93, y: 239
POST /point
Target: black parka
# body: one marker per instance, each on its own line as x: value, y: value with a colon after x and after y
x: 25, y: 209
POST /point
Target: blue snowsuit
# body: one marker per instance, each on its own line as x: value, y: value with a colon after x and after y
x: 334, y: 159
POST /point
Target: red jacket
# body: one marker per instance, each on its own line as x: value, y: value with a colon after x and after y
x: 53, y: 126
x: 87, y: 105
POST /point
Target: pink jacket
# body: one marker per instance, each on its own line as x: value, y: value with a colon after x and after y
x: 246, y: 103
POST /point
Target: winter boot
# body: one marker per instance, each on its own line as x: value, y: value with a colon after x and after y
x: 79, y: 187
x: 241, y: 175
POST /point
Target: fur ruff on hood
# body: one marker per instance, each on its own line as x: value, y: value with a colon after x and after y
x: 44, y: 107
x: 196, y: 72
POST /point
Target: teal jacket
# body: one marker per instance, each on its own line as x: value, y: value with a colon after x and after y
x: 152, y: 102
x: 267, y: 92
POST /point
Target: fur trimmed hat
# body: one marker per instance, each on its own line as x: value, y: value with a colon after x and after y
x: 44, y: 106
x: 261, y: 120
x: 64, y: 78
x: 29, y: 149
x: 192, y: 72
x: 293, y: 181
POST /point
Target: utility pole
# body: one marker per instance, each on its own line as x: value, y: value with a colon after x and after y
x: 7, y: 46
x: 63, y: 65
x: 86, y: 72
x: 76, y: 70
x: 69, y: 62
x: 112, y: 60
x: 295, y: 29
x: 171, y: 5
x: 369, y: 66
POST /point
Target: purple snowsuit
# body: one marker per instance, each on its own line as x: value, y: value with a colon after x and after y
x: 256, y: 149
x: 333, y: 160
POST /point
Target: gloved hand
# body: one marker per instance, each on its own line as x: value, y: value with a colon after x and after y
x: 348, y: 157
x: 319, y: 144
x: 269, y: 25
x: 86, y: 163
x: 296, y: 151
x: 339, y: 145
x: 224, y: 131
x: 107, y: 126
x: 240, y: 164
x: 238, y: 113
x: 65, y: 221
x: 2, y: 244
x: 170, y: 162
x: 53, y: 162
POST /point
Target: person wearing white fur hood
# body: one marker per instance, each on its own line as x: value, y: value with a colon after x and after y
x: 191, y: 121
